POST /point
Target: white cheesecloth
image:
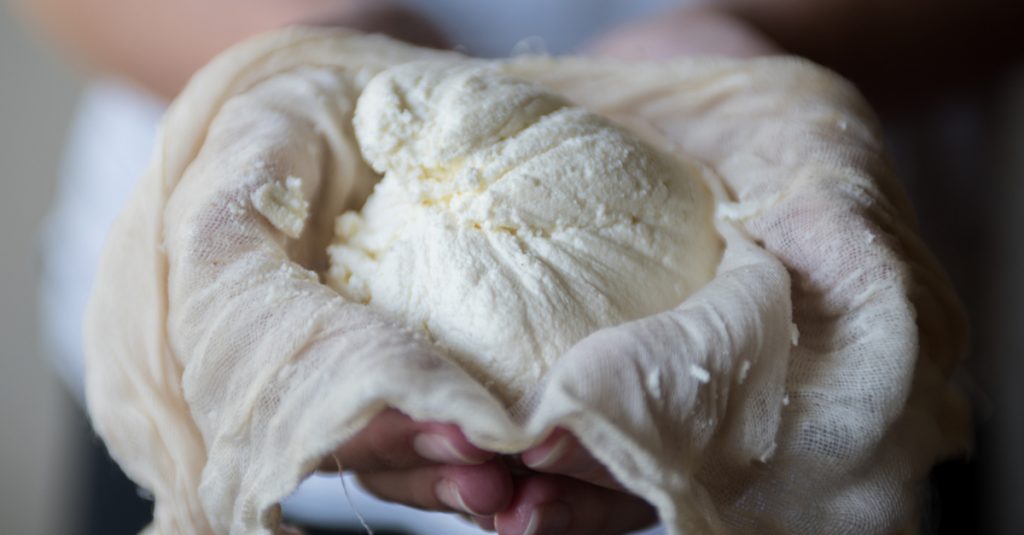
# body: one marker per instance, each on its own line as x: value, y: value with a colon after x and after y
x: 805, y: 389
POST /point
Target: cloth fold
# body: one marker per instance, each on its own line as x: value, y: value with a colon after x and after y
x: 805, y: 389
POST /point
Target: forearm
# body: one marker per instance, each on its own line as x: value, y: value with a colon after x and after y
x: 894, y: 47
x: 158, y: 44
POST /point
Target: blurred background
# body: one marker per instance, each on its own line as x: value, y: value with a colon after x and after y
x: 39, y: 458
x: 961, y: 154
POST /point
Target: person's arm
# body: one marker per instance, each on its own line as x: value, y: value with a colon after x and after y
x: 158, y: 44
x: 895, y: 49
x: 892, y: 49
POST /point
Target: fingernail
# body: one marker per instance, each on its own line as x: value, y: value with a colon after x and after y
x: 485, y: 522
x: 440, y: 449
x: 448, y: 493
x: 549, y: 519
x: 549, y: 458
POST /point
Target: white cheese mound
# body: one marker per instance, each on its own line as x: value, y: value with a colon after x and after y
x: 510, y: 224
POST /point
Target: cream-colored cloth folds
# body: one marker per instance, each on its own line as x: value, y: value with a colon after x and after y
x: 805, y: 389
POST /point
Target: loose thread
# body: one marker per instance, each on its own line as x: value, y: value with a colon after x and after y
x: 348, y: 497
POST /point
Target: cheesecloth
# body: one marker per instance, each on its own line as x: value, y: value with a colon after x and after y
x: 805, y: 389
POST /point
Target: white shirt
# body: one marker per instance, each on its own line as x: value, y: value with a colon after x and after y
x: 110, y: 144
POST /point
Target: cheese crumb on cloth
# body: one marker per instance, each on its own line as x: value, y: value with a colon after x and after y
x: 337, y: 223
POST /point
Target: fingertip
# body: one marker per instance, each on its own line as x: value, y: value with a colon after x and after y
x: 535, y: 519
x: 445, y: 443
x: 480, y: 490
x: 448, y: 493
x: 514, y: 522
x: 485, y: 523
x: 548, y: 505
x: 563, y: 454
x: 483, y: 490
x: 531, y: 493
x: 550, y: 451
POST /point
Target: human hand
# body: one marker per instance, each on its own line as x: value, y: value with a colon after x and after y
x: 567, y: 491
x: 558, y: 488
x: 724, y: 412
x: 570, y: 482
x: 250, y: 407
x: 426, y: 465
x: 874, y: 330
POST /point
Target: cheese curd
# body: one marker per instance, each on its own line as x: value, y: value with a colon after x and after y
x: 510, y: 224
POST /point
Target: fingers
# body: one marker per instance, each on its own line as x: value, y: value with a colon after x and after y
x: 562, y: 454
x: 433, y: 466
x: 427, y: 465
x: 556, y: 505
x: 486, y: 523
x: 481, y: 490
x: 393, y: 441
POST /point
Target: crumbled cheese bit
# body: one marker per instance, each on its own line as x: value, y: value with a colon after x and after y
x: 744, y: 370
x: 700, y: 374
x: 277, y: 294
x: 284, y: 206
x: 742, y: 211
x: 297, y: 272
x: 347, y: 225
x: 236, y: 209
x: 654, y: 383
x: 767, y: 454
